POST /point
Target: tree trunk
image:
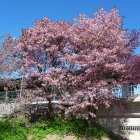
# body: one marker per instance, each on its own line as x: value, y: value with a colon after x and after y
x: 90, y: 121
x: 50, y: 110
x: 62, y: 114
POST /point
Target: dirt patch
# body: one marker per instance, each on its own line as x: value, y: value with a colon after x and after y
x: 57, y: 137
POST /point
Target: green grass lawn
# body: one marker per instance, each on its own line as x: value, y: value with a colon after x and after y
x: 20, y: 129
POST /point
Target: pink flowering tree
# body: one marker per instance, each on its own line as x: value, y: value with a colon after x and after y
x: 8, y: 59
x: 82, y: 61
x: 102, y: 51
x: 9, y: 65
x: 41, y: 50
x: 132, y: 74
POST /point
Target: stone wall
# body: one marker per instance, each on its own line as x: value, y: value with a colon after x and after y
x: 126, y: 125
x: 8, y: 108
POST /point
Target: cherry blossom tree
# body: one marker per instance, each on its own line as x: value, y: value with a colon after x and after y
x: 102, y: 51
x: 82, y: 61
x: 132, y: 74
x: 8, y: 60
x: 9, y: 65
x: 41, y: 49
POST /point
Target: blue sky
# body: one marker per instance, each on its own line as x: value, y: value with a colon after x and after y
x: 18, y: 14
